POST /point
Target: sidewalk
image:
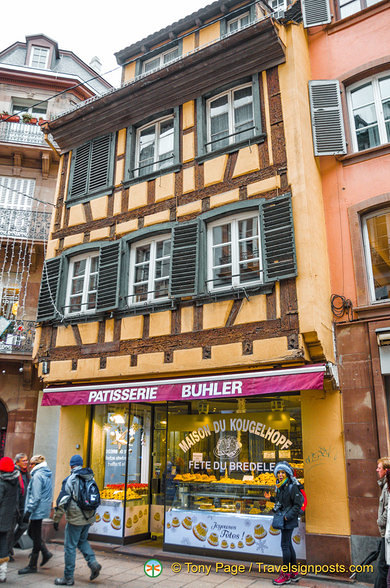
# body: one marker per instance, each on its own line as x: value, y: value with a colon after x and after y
x: 128, y: 570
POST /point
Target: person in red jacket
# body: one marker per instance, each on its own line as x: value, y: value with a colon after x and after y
x: 9, y: 504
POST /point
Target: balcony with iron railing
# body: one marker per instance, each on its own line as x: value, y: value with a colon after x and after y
x: 24, y: 224
x: 22, y: 133
x: 18, y: 339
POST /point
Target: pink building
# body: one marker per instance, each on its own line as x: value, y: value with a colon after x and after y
x: 349, y: 46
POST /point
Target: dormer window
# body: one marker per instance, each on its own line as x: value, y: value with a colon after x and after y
x: 160, y: 60
x: 39, y: 57
x: 235, y: 24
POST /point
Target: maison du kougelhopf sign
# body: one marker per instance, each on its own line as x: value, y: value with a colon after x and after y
x: 203, y: 388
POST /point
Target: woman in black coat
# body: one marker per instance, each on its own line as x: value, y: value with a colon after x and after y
x: 9, y: 504
x: 288, y: 501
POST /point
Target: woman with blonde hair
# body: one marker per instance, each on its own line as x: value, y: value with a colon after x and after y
x: 37, y: 507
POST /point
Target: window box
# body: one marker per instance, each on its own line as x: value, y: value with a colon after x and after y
x: 229, y: 118
x: 10, y: 118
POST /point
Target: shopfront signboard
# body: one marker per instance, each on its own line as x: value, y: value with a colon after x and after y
x: 203, y: 388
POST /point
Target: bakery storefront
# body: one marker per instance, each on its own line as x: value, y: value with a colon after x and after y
x: 188, y: 460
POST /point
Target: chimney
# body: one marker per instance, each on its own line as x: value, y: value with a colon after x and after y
x: 96, y: 64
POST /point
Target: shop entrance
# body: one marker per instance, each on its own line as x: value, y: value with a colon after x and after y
x: 3, y: 428
x: 127, y: 452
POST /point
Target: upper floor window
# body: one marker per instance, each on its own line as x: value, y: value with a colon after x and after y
x: 234, y: 252
x: 39, y: 57
x: 149, y: 270
x: 235, y: 24
x: 278, y: 6
x: 82, y: 284
x: 15, y: 193
x: 20, y: 106
x: 230, y: 117
x: 160, y: 60
x: 92, y: 167
x: 376, y: 238
x: 369, y: 104
x: 348, y: 7
x: 155, y: 146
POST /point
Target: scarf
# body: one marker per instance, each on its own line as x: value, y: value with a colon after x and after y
x: 280, y: 484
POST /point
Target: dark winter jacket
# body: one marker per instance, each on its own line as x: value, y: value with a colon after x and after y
x: 26, y: 479
x: 39, y: 492
x: 289, y: 498
x: 67, y: 499
x: 9, y: 499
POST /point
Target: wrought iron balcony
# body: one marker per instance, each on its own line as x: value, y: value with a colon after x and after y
x: 21, y: 340
x: 26, y: 134
x: 24, y: 224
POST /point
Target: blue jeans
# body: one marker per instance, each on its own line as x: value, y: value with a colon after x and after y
x: 76, y: 536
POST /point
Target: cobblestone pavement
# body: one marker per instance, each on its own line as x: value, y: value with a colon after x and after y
x: 127, y: 570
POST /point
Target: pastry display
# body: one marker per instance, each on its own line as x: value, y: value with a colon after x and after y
x: 97, y: 517
x: 213, y: 539
x: 240, y: 544
x: 116, y: 523
x: 200, y: 531
x: 260, y: 532
x: 297, y: 539
x: 274, y: 531
x: 106, y: 517
x: 232, y: 546
x: 224, y: 544
x: 117, y: 491
x: 175, y: 522
x: 129, y: 523
x: 187, y: 522
x: 249, y: 540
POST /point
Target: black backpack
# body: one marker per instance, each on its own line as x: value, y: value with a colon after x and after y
x: 88, y: 496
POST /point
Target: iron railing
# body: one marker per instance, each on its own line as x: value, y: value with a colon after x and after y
x: 19, y: 132
x: 20, y: 340
x: 24, y: 224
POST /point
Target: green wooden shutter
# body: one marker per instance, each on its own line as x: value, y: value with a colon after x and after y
x: 78, y: 182
x: 48, y: 295
x: 315, y: 12
x: 277, y: 233
x: 327, y: 117
x: 99, y: 168
x: 108, y: 281
x: 184, y: 259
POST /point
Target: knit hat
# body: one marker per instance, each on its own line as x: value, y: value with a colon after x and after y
x: 76, y: 460
x: 6, y: 464
x: 285, y: 466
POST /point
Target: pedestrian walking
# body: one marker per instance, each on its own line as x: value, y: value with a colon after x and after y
x: 288, y: 503
x: 37, y: 507
x: 383, y: 465
x: 78, y: 489
x: 9, y: 504
x: 19, y: 527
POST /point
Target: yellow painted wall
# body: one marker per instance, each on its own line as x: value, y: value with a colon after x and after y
x: 131, y: 327
x: 209, y: 34
x: 216, y: 314
x: 190, y: 208
x: 188, y: 179
x: 98, y: 234
x: 158, y: 217
x: 129, y: 72
x: 65, y: 336
x: 188, y: 43
x: 313, y: 282
x: 324, y: 463
x: 73, y: 421
x: 121, y: 142
x: 214, y: 170
x: 127, y: 227
x: 165, y: 187
x: 264, y: 186
x: 160, y: 323
x: 76, y: 215
x: 254, y: 309
x: 224, y: 198
x: 138, y: 195
x: 188, y: 143
x: 73, y: 240
x: 188, y: 114
x: 89, y: 332
x: 99, y: 207
x: 247, y: 161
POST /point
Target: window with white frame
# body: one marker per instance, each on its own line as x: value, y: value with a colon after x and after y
x: 160, y: 60
x: 155, y: 146
x: 20, y: 106
x: 39, y: 57
x: 233, y: 252
x: 376, y: 238
x: 348, y: 7
x: 149, y: 270
x: 278, y: 6
x: 82, y: 284
x: 230, y: 117
x: 235, y: 24
x: 369, y: 107
x: 16, y: 193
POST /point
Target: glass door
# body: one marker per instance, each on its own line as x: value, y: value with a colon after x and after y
x: 161, y: 472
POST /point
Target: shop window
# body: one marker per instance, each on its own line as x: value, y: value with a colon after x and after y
x: 120, y: 452
x: 149, y: 270
x: 376, y: 237
x: 153, y: 147
x: 222, y: 454
x: 229, y: 118
x: 82, y: 284
x: 234, y: 256
x: 369, y: 109
x: 91, y: 168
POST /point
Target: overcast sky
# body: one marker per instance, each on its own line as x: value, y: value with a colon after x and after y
x: 100, y: 29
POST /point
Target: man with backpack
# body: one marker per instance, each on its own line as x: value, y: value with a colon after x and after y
x: 78, y: 500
